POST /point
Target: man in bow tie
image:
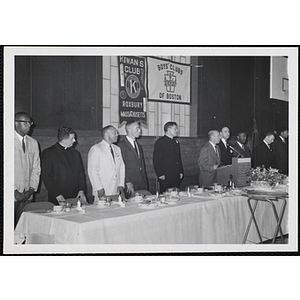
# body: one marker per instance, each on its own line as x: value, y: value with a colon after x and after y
x: 264, y: 155
x: 281, y: 152
x: 132, y: 153
x: 226, y: 152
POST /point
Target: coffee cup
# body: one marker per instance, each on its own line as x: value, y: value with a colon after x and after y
x: 57, y: 208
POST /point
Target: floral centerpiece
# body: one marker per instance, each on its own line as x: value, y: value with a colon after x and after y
x: 262, y: 178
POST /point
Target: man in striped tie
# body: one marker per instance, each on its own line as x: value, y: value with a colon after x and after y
x: 132, y: 153
x: 27, y: 163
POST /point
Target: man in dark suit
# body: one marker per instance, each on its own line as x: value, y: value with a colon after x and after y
x: 240, y: 145
x: 62, y: 170
x: 167, y: 158
x: 133, y: 157
x: 264, y: 155
x: 280, y: 148
x: 226, y: 152
x: 209, y: 159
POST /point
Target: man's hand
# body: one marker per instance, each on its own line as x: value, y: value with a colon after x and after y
x: 162, y: 177
x: 82, y: 197
x: 130, y: 188
x: 215, y: 167
x: 28, y: 193
x: 120, y: 191
x: 60, y: 199
x: 19, y: 196
x: 101, y: 193
x: 181, y: 175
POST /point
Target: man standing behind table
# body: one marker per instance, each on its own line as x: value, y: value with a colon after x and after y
x: 106, y: 167
x: 167, y: 158
x: 226, y: 152
x: 264, y: 155
x: 27, y: 164
x: 240, y: 145
x: 209, y: 159
x: 62, y: 170
x: 281, y: 152
x: 133, y: 157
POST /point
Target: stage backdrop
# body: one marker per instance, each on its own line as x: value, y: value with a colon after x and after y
x: 132, y: 93
x: 168, y: 80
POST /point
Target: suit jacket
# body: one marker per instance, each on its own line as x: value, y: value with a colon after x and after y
x: 27, y: 165
x: 59, y: 175
x: 135, y: 171
x: 280, y: 150
x: 264, y: 156
x: 245, y: 153
x: 207, y: 159
x: 105, y: 172
x: 226, y: 154
x: 167, y: 160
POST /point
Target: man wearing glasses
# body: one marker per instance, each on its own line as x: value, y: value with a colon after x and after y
x: 27, y: 163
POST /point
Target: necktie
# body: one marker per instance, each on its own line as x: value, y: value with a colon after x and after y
x: 112, y: 153
x: 217, y: 152
x: 23, y: 144
x: 136, y: 148
x: 243, y: 147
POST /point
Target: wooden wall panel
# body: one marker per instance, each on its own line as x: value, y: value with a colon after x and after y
x: 22, y: 84
x: 65, y: 88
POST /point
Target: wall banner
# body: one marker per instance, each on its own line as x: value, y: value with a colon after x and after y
x: 132, y: 92
x: 168, y: 80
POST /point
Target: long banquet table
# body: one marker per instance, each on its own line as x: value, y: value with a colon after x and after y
x: 193, y: 220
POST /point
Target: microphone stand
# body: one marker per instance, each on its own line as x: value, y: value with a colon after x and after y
x: 239, y: 154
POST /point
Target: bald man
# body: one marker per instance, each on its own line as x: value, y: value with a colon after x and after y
x: 27, y: 163
x: 209, y: 159
x: 106, y: 168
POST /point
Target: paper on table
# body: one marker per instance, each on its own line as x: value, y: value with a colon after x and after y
x: 223, y: 167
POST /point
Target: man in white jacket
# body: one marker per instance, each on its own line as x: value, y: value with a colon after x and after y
x: 106, y: 167
x: 27, y: 163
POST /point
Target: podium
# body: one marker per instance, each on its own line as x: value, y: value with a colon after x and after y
x: 237, y: 170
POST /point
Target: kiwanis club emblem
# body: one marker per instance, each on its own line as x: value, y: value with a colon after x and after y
x: 170, y: 81
x: 133, y: 86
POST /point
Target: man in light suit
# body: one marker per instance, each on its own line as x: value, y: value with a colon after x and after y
x: 280, y: 148
x: 27, y: 163
x: 209, y: 160
x: 240, y: 145
x: 133, y: 157
x: 106, y: 167
x: 264, y: 155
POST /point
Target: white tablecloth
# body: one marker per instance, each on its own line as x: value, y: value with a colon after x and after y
x: 193, y: 220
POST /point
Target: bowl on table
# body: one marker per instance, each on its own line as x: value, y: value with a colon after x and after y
x: 57, y: 208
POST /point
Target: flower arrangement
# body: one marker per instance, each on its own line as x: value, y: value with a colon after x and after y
x: 270, y: 176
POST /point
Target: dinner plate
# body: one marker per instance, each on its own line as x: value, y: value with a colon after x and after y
x: 162, y: 203
x: 42, y: 211
x: 146, y: 205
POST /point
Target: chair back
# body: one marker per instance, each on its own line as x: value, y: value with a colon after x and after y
x: 38, y: 206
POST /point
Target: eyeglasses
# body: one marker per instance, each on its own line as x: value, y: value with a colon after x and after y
x: 27, y: 122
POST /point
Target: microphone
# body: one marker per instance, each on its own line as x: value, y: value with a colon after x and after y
x: 230, y: 147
